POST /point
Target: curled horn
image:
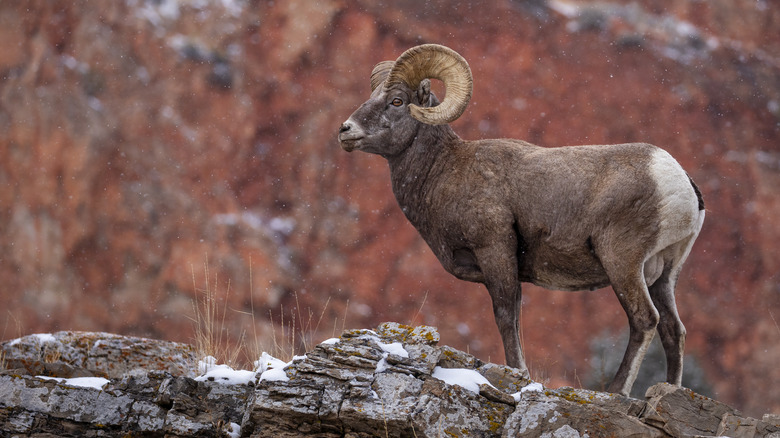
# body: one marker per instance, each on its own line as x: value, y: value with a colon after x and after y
x: 379, y: 74
x: 436, y: 62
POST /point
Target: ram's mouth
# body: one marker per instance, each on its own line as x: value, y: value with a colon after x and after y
x: 349, y: 141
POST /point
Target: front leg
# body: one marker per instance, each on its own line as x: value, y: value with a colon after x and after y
x: 498, y: 263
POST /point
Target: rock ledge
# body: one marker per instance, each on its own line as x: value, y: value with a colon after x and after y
x: 394, y: 381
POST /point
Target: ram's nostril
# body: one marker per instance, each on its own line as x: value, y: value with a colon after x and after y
x: 344, y: 127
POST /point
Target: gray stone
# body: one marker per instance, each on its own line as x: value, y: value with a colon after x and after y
x: 82, y: 354
x: 739, y: 427
x: 575, y: 412
x: 367, y: 384
x: 406, y: 334
x: 452, y: 358
x: 503, y: 377
x: 680, y: 411
x: 32, y: 405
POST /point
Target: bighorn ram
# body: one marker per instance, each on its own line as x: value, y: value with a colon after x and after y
x: 501, y: 212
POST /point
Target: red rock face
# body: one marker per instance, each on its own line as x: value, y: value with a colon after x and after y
x: 141, y: 141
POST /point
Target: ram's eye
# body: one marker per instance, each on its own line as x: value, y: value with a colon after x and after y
x: 397, y: 102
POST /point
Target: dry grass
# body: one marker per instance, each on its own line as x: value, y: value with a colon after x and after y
x: 51, y: 353
x: 540, y: 370
x: 291, y: 334
x: 212, y: 337
x: 413, y: 321
x: 298, y: 330
x: 11, y: 317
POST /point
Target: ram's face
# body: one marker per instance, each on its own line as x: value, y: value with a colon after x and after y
x: 382, y: 125
x: 401, y: 100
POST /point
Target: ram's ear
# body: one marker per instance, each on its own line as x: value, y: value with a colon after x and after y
x: 424, y: 93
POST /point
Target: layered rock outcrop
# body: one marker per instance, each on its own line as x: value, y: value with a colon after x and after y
x: 394, y: 381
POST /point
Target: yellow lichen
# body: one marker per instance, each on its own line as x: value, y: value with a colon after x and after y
x: 569, y: 396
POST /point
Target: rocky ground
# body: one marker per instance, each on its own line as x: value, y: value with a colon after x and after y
x: 393, y: 381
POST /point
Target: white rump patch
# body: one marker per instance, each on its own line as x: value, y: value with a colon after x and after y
x: 678, y: 204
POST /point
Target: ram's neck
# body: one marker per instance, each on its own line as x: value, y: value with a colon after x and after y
x: 414, y: 171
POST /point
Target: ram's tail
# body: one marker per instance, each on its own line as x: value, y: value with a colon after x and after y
x: 698, y: 193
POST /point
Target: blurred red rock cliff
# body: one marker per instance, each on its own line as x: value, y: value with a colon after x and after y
x: 142, y: 140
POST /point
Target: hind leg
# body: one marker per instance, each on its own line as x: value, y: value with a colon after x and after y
x: 642, y: 321
x: 670, y: 328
